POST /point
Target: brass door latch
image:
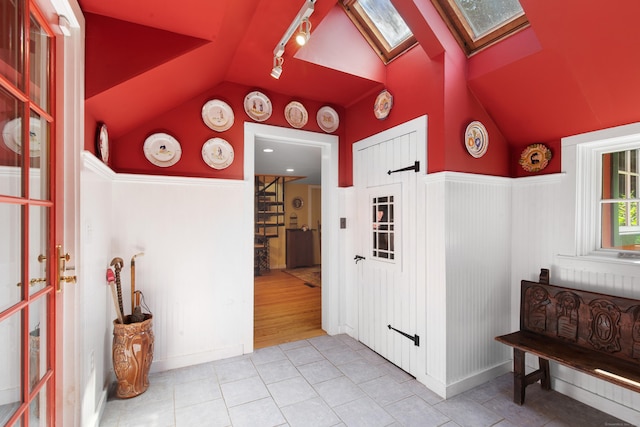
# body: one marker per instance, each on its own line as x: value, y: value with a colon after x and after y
x: 61, y: 267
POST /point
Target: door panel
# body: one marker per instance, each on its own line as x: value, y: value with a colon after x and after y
x: 27, y: 291
x: 386, y: 275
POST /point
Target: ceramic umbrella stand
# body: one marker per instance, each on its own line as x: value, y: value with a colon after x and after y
x: 132, y: 355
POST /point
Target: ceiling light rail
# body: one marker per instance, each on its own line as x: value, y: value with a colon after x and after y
x: 301, y: 22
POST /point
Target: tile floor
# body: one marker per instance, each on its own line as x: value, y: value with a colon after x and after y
x: 331, y: 381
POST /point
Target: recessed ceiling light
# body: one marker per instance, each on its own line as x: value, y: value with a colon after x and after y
x: 268, y: 150
x: 289, y: 170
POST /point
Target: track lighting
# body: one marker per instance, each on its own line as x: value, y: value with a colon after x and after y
x: 305, y: 32
x: 277, y: 67
x: 301, y: 21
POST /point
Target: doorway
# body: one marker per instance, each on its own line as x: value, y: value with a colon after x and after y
x: 328, y: 146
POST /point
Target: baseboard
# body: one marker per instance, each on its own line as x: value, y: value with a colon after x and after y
x: 477, y: 379
x: 196, y: 359
x: 603, y: 404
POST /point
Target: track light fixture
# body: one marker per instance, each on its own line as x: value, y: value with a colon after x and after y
x: 277, y: 67
x: 301, y: 21
x: 305, y: 32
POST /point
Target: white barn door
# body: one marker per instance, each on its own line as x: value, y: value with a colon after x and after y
x: 385, y: 180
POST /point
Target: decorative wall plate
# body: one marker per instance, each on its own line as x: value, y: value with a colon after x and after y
x: 12, y: 136
x: 217, y: 153
x: 296, y: 114
x: 383, y: 105
x: 217, y: 114
x: 162, y: 150
x: 476, y: 139
x: 257, y: 106
x: 102, y: 142
x: 328, y: 119
x: 535, y: 157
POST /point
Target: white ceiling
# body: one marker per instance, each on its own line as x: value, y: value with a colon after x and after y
x: 305, y: 160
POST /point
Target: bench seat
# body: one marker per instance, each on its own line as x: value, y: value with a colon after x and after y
x: 593, y: 333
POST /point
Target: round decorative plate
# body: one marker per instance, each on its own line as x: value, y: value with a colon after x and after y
x: 12, y: 136
x: 383, y: 105
x: 328, y: 119
x: 296, y: 114
x: 217, y: 153
x: 102, y: 142
x: 535, y: 157
x: 162, y: 150
x: 257, y: 106
x: 476, y: 139
x: 217, y: 114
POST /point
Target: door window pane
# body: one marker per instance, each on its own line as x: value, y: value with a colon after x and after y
x: 39, y: 65
x: 10, y: 256
x: 10, y: 144
x: 38, y: 233
x: 11, y: 57
x: 10, y: 357
x: 39, y: 151
x: 383, y: 227
x: 37, y: 340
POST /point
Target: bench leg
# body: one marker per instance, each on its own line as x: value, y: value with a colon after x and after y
x: 545, y: 381
x: 519, y: 377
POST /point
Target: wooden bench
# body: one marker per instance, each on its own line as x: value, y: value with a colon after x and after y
x: 593, y: 333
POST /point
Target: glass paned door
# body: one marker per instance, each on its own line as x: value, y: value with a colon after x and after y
x: 27, y: 260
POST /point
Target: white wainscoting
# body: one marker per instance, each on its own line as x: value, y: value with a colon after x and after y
x: 468, y: 297
x: 543, y: 227
x: 192, y: 273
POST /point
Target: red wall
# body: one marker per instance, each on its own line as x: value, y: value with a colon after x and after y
x: 185, y: 124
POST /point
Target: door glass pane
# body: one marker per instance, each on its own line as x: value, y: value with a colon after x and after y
x: 10, y: 257
x: 383, y: 227
x: 10, y: 145
x: 11, y: 58
x: 38, y: 232
x: 37, y: 340
x: 38, y: 410
x: 39, y: 65
x: 39, y: 137
x: 10, y: 356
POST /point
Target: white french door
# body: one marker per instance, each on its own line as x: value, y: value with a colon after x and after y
x: 385, y: 179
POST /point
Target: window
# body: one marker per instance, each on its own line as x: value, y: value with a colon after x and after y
x: 619, y: 200
x: 477, y: 24
x: 607, y: 178
x: 383, y: 227
x: 382, y: 26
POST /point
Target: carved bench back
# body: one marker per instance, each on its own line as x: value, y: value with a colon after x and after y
x: 595, y: 321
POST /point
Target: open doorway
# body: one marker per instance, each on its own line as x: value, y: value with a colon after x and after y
x: 287, y: 260
x: 313, y: 206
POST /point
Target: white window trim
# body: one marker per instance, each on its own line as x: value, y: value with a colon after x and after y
x: 589, y: 148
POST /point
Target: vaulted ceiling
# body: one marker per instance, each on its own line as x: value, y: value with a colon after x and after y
x: 576, y: 70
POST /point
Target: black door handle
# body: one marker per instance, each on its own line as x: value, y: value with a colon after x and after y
x: 358, y: 258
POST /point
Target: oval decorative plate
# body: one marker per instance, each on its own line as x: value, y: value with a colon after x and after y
x: 162, y: 149
x: 328, y: 119
x: 217, y: 114
x: 257, y: 106
x: 476, y: 139
x: 217, y: 153
x: 296, y: 114
x: 535, y: 157
x: 383, y: 105
x: 12, y: 136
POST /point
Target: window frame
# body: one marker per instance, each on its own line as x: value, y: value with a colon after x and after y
x: 371, y: 33
x: 589, y: 149
x: 463, y: 33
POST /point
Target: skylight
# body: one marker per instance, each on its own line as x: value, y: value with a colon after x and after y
x: 477, y: 24
x: 382, y: 26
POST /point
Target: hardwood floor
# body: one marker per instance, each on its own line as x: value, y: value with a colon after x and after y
x: 285, y: 310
